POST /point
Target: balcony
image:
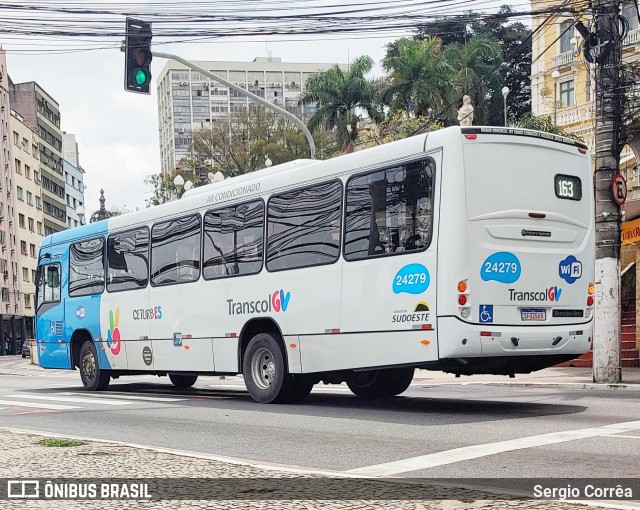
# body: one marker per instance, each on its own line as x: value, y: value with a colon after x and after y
x: 632, y: 37
x: 564, y: 59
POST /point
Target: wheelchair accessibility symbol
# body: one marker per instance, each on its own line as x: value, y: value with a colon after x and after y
x: 486, y: 314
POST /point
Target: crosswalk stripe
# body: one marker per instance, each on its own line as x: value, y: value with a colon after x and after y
x: 71, y: 399
x: 125, y: 396
x: 37, y: 405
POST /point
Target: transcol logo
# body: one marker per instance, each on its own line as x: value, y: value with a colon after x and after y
x: 570, y: 269
x: 276, y: 302
x: 550, y: 294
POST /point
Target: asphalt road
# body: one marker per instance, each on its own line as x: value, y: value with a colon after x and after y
x: 430, y: 431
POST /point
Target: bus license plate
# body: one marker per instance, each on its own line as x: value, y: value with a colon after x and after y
x: 533, y: 314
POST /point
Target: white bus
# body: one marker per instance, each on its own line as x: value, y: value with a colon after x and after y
x: 468, y: 250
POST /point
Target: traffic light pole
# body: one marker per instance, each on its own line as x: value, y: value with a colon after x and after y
x: 258, y: 99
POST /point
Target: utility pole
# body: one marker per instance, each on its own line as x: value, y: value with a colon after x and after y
x: 604, y: 48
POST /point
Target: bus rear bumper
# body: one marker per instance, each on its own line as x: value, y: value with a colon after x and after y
x: 457, y: 339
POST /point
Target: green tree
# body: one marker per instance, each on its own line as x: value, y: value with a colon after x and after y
x: 472, y: 64
x: 515, y: 47
x: 396, y: 126
x: 337, y: 94
x: 419, y: 81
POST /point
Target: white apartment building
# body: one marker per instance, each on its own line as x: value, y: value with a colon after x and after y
x: 30, y: 217
x: 73, y: 178
x: 188, y: 101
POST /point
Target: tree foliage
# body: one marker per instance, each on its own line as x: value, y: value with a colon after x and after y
x: 545, y: 123
x: 514, y: 41
x: 337, y: 94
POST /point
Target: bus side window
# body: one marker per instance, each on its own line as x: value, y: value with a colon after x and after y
x: 175, y: 251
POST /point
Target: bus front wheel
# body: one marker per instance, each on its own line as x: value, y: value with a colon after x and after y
x: 380, y: 383
x: 93, y: 377
x: 264, y: 371
x: 183, y: 381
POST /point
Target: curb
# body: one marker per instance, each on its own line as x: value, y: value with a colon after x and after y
x: 556, y: 385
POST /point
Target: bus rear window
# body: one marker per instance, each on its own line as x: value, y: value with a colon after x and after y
x: 390, y: 211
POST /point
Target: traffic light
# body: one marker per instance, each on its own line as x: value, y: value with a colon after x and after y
x: 137, y: 69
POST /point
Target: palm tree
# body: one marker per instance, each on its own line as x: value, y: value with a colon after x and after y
x: 471, y: 64
x: 419, y: 77
x: 336, y: 94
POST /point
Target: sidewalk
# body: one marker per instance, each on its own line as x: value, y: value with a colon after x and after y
x: 174, y: 475
x: 569, y: 377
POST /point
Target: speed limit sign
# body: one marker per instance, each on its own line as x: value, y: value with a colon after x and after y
x: 619, y: 189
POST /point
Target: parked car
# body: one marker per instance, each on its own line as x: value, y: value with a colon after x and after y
x: 26, y: 350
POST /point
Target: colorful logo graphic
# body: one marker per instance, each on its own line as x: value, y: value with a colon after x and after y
x: 412, y: 279
x: 554, y: 293
x: 80, y: 312
x: 485, y: 314
x: 280, y: 300
x: 113, y: 335
x: 570, y: 269
x: 503, y: 267
x: 421, y: 307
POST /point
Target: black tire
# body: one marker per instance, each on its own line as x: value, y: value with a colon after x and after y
x: 24, y: 355
x: 93, y: 377
x: 380, y: 383
x: 265, y: 371
x: 183, y: 381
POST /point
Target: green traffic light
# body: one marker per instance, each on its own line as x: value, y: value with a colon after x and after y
x: 141, y: 77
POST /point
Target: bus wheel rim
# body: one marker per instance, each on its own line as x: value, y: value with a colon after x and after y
x: 89, y: 366
x: 263, y: 368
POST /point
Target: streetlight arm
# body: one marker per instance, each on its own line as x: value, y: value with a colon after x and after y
x: 258, y: 99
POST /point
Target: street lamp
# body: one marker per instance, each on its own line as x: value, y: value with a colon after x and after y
x: 555, y: 75
x: 505, y: 93
x: 80, y: 212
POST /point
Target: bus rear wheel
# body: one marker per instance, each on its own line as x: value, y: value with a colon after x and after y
x: 380, y: 383
x: 183, y: 381
x: 93, y: 377
x: 265, y: 372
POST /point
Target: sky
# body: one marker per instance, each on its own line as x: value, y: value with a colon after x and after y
x: 117, y: 131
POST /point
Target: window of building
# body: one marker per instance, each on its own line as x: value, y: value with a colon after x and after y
x: 27, y: 171
x: 303, y: 227
x: 389, y: 211
x: 25, y: 145
x: 34, y: 150
x: 27, y: 300
x: 630, y: 13
x: 20, y: 194
x: 25, y: 274
x: 32, y: 249
x: 39, y: 223
x: 86, y: 267
x: 128, y: 260
x: 21, y: 221
x: 16, y: 138
x: 33, y: 275
x: 233, y: 238
x: 18, y: 166
x: 31, y: 225
x: 175, y: 251
x: 38, y: 203
x: 29, y: 198
x: 567, y: 93
x: 23, y: 247
x: 567, y: 31
x: 36, y: 176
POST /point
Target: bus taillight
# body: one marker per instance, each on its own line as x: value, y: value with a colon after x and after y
x: 463, y: 298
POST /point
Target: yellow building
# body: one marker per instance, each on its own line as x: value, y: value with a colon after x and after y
x: 563, y: 88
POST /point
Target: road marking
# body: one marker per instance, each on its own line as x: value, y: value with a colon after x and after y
x: 126, y: 396
x: 484, y: 450
x: 37, y: 405
x: 71, y: 399
x: 624, y: 437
